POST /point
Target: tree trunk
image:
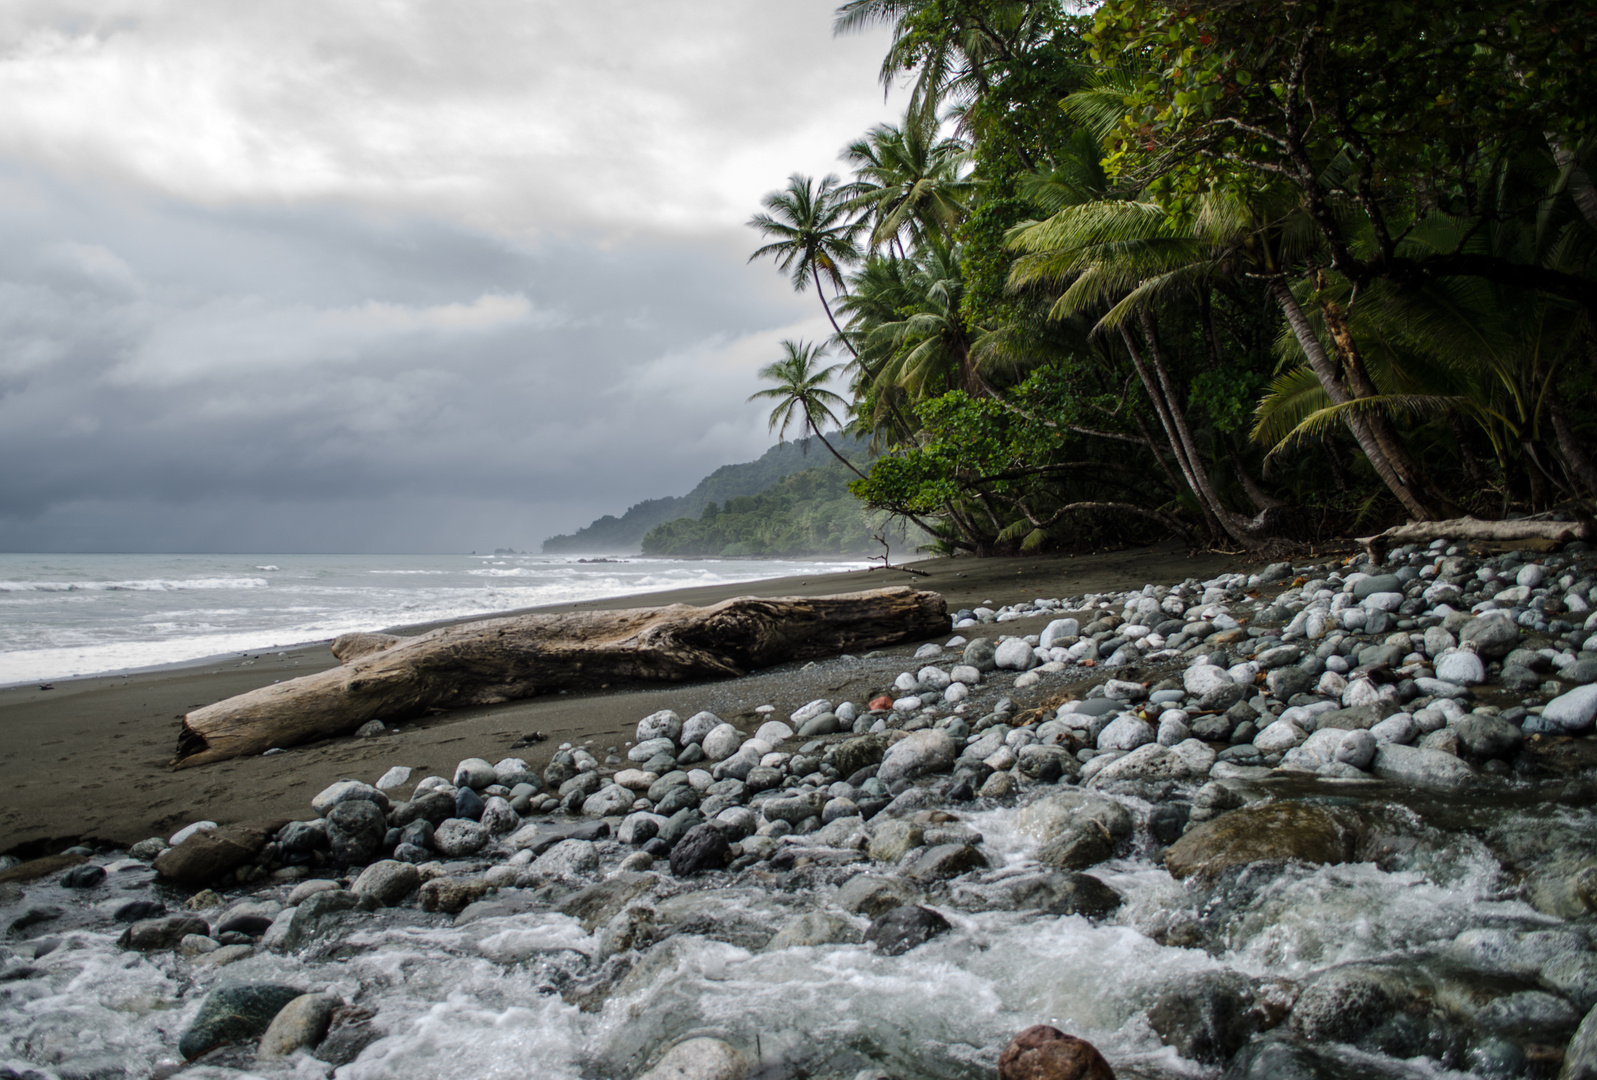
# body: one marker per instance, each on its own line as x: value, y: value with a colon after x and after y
x: 1156, y: 396
x: 1331, y: 382
x: 847, y: 344
x: 1362, y: 386
x: 498, y: 660
x: 849, y: 465
x: 1470, y: 528
x: 1175, y: 421
x: 1261, y: 499
x: 1580, y: 462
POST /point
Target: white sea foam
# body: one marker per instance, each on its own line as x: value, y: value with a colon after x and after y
x: 67, y: 615
x: 146, y: 585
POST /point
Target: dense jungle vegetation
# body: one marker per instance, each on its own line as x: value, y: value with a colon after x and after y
x: 1237, y: 271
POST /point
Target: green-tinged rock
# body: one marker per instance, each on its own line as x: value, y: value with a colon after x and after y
x: 298, y: 1025
x: 893, y: 838
x: 870, y: 895
x: 150, y: 935
x: 815, y: 928
x: 1580, y: 1056
x: 859, y: 753
x: 598, y: 904
x: 232, y: 1014
x: 451, y: 894
x: 307, y: 920
x: 1268, y: 833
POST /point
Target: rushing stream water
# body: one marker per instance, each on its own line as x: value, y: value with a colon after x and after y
x: 501, y: 993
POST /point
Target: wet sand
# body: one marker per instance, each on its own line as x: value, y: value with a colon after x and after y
x: 88, y: 759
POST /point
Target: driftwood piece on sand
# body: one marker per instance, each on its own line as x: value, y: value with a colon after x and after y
x: 497, y: 660
x: 1470, y: 528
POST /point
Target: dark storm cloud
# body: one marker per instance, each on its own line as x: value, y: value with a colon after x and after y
x: 276, y: 317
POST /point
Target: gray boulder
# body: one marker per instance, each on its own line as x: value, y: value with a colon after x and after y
x: 1013, y: 654
x: 1483, y: 737
x: 1572, y: 713
x: 980, y: 654
x: 458, y: 837
x: 664, y: 724
x: 922, y: 753
x: 1420, y: 767
x: 1490, y: 635
x: 387, y: 882
x: 355, y: 832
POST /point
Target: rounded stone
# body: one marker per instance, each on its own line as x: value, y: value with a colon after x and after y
x: 457, y: 837
x: 298, y: 1025
x: 1356, y: 748
x: 474, y: 773
x: 1015, y: 654
x: 1493, y: 635
x: 1460, y: 666
x: 923, y: 752
x: 664, y: 724
x: 1126, y: 733
x: 1046, y: 1053
x: 979, y: 654
x: 774, y: 732
x: 697, y: 726
x: 387, y: 882
x: 700, y: 1058
x: 721, y: 742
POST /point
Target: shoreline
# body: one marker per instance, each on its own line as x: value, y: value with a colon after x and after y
x: 411, y: 628
x: 88, y: 759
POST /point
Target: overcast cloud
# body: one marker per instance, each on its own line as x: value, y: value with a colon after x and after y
x: 351, y: 275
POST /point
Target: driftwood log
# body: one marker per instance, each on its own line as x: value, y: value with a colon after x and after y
x: 1470, y: 528
x: 497, y: 660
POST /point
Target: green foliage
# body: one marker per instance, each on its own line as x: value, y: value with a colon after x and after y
x: 1251, y: 268
x: 1228, y: 395
x: 613, y: 535
x: 807, y: 513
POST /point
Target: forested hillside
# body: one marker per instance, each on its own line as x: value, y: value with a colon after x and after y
x: 807, y: 513
x: 622, y: 535
x: 1239, y: 271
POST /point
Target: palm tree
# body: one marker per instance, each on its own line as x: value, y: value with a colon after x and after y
x: 908, y: 180
x: 951, y: 63
x: 800, y: 391
x: 814, y: 236
x: 913, y: 336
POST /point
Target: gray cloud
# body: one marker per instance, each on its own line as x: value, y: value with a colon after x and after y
x: 464, y: 278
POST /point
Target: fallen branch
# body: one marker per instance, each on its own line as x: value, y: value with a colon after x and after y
x: 498, y: 660
x: 1469, y: 528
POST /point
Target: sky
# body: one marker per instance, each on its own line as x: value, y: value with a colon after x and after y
x: 394, y: 275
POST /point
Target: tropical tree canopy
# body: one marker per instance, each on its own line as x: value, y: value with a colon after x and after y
x: 1236, y: 271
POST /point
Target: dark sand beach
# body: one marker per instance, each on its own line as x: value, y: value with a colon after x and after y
x: 88, y: 758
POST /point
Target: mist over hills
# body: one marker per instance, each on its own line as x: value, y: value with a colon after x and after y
x: 611, y: 535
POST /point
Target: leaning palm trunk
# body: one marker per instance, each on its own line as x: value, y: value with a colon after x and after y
x: 847, y: 344
x: 1330, y: 380
x: 1380, y: 425
x: 1156, y: 380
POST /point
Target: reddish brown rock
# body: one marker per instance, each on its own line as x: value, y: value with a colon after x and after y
x: 34, y: 869
x: 206, y: 856
x: 1046, y: 1053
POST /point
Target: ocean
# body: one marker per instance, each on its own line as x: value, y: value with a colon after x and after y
x: 67, y: 615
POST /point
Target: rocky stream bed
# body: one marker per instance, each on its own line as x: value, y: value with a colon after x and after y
x: 1327, y: 820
